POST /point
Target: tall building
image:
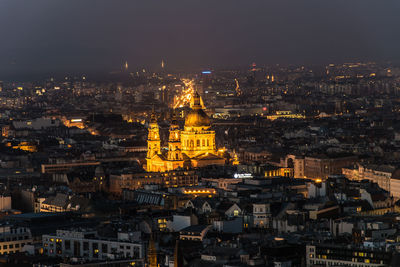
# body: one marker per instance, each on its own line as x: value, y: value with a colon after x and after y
x: 192, y: 147
x: 153, y: 139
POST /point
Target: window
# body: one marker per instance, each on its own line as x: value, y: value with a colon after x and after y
x: 85, y: 245
x: 5, y: 247
x: 67, y: 244
x: 104, y: 248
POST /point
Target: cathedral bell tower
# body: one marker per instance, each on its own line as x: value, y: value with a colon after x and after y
x: 174, y: 155
x: 174, y: 141
x: 153, y: 140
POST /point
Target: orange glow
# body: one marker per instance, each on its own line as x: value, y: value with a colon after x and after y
x: 200, y: 191
x: 186, y: 95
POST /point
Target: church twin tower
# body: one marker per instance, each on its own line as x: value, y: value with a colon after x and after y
x: 192, y: 147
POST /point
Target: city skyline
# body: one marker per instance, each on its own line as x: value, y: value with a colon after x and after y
x: 261, y: 133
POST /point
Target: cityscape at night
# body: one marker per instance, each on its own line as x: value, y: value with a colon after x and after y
x: 177, y: 133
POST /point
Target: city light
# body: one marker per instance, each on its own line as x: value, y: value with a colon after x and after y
x: 185, y: 97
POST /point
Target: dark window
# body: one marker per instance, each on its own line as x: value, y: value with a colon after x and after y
x: 67, y: 244
x: 104, y: 248
x: 77, y: 248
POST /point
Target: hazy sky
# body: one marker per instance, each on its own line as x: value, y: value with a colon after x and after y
x: 83, y: 35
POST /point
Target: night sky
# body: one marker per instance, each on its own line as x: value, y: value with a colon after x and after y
x: 99, y: 35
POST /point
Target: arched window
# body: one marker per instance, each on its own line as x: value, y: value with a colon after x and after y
x: 198, y: 142
x: 208, y: 142
x: 191, y: 143
x: 204, y: 142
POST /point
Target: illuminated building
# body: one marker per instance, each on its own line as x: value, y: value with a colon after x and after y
x: 25, y: 146
x: 192, y: 147
x: 200, y: 192
x: 285, y: 172
x: 336, y: 255
x: 74, y: 122
x: 133, y: 181
x: 317, y: 166
x: 90, y: 246
x: 285, y: 115
x: 194, y: 232
x: 13, y: 239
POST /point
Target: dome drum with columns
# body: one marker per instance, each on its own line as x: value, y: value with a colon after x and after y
x: 192, y: 147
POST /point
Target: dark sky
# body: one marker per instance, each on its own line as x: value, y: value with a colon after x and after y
x: 91, y: 35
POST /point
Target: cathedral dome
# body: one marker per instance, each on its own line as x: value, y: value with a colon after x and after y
x: 197, y: 117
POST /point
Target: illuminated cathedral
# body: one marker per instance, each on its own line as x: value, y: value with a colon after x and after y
x: 192, y: 147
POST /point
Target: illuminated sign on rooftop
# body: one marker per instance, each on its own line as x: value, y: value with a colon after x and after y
x: 242, y: 175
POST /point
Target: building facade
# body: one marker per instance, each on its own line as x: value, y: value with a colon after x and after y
x: 134, y: 181
x: 334, y: 255
x: 13, y: 239
x: 86, y: 244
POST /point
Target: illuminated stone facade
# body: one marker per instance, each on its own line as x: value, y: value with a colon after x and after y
x: 192, y: 147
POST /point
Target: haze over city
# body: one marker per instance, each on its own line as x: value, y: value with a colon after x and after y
x: 46, y: 36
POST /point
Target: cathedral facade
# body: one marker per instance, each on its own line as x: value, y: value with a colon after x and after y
x: 194, y: 146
